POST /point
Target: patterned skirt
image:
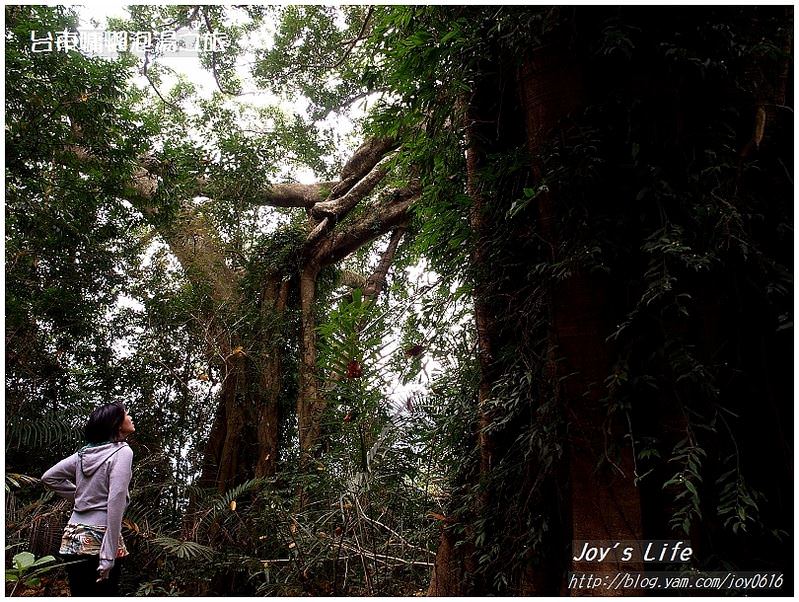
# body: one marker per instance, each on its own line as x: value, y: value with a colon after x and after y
x: 86, y: 540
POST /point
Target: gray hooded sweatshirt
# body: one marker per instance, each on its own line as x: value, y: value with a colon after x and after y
x: 97, y: 479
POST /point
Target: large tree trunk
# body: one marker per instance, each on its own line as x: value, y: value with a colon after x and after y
x: 484, y: 321
x: 599, y: 505
x: 310, y: 404
x: 604, y: 504
x: 244, y: 440
x: 271, y: 374
x: 454, y: 569
x: 244, y: 437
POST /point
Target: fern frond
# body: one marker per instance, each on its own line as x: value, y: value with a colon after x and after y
x: 17, y: 480
x: 41, y: 432
x: 185, y: 550
x: 232, y: 494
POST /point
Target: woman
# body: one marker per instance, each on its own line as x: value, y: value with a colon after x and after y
x: 96, y: 478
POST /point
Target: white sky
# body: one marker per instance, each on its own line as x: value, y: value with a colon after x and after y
x: 188, y: 65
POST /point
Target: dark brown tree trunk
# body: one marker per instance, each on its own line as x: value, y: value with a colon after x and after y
x: 604, y: 504
x: 604, y: 501
x: 244, y: 440
x: 271, y: 374
x: 454, y: 569
x: 234, y: 398
x: 244, y: 437
x: 601, y: 504
x: 310, y: 404
x: 484, y: 322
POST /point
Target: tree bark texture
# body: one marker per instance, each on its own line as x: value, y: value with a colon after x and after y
x: 603, y: 504
x: 453, y: 568
x: 494, y: 127
x: 275, y: 298
x: 481, y: 266
x: 244, y: 439
x: 310, y: 404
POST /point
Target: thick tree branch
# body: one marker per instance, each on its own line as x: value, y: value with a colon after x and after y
x: 275, y: 195
x: 362, y: 173
x: 361, y: 163
x: 374, y: 284
x: 191, y: 241
x: 339, y: 207
x: 189, y: 235
x: 320, y: 230
x: 353, y: 280
x: 293, y: 195
x: 377, y: 221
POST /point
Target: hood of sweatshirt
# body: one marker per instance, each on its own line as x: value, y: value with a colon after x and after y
x: 91, y: 458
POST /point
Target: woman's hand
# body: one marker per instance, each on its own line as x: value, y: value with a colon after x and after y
x: 104, y: 569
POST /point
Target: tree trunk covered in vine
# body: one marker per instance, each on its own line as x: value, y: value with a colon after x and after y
x: 309, y: 402
x: 271, y: 377
x: 455, y: 571
x: 245, y: 438
x: 604, y: 500
x: 574, y: 499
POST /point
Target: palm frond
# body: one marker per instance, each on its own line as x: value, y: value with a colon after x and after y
x: 185, y: 550
x: 41, y: 432
x: 236, y: 492
x: 17, y: 480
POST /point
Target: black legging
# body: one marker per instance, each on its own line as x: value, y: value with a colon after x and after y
x: 83, y: 576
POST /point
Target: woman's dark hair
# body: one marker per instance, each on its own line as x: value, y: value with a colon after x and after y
x: 104, y: 423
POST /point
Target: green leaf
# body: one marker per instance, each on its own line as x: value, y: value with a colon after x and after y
x: 23, y: 560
